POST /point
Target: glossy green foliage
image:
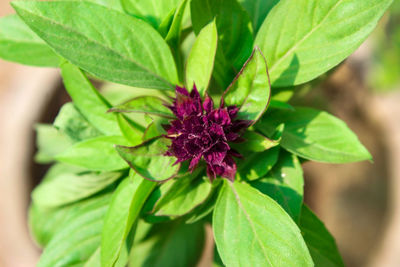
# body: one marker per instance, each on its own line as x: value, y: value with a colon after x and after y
x: 125, y: 206
x: 150, y: 105
x: 19, y: 44
x: 255, y: 165
x: 251, y: 229
x: 149, y: 161
x: 152, y: 11
x: 235, y: 40
x: 284, y: 183
x: 200, y: 63
x: 127, y: 51
x: 170, y: 245
x: 96, y: 154
x: 319, y: 241
x: 315, y: 135
x: 256, y: 142
x: 251, y: 89
x: 305, y: 38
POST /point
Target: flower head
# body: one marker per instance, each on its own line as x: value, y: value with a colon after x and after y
x: 202, y: 132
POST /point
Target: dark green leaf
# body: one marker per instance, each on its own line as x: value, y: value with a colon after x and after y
x: 258, y: 10
x: 235, y: 35
x: 128, y: 50
x: 19, y: 44
x: 251, y: 229
x: 151, y: 105
x: 303, y: 39
x: 319, y: 241
x: 97, y: 154
x: 173, y: 245
x: 256, y: 165
x: 126, y: 203
x: 71, y: 122
x: 200, y: 63
x: 251, y: 89
x: 149, y: 160
x: 174, y: 33
x: 315, y: 135
x: 284, y: 183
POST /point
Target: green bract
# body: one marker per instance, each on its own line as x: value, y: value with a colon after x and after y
x: 122, y: 189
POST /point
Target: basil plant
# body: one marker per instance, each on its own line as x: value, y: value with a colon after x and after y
x: 193, y: 127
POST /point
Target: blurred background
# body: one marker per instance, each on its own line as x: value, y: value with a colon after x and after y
x: 359, y: 203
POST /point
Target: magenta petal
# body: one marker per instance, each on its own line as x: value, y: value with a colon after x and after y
x: 181, y: 90
x: 208, y: 104
x: 194, y: 162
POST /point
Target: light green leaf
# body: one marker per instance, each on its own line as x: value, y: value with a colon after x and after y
x: 71, y: 186
x: 255, y: 165
x: 128, y: 50
x: 173, y: 245
x: 321, y: 244
x: 131, y: 131
x: 174, y: 32
x: 235, y: 34
x: 151, y: 105
x: 50, y: 142
x: 258, y: 10
x: 182, y: 196
x: 71, y: 122
x: 149, y: 160
x: 251, y: 89
x: 152, y: 11
x: 19, y: 44
x: 200, y: 63
x: 97, y: 154
x: 315, y: 135
x: 303, y: 39
x: 251, y: 229
x: 88, y: 100
x: 126, y: 203
x: 284, y: 183
x: 255, y: 142
x: 78, y: 237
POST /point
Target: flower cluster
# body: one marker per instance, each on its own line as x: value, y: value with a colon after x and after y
x: 201, y: 131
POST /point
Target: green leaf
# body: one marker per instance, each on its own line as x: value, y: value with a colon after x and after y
x: 79, y: 235
x: 251, y: 90
x: 126, y: 203
x: 71, y: 186
x: 255, y: 165
x: 151, y: 105
x: 174, y: 33
x: 182, y: 196
x: 128, y: 50
x: 50, y: 142
x: 235, y: 35
x: 304, y: 39
x: 19, y: 44
x: 88, y: 100
x: 284, y: 183
x: 130, y: 130
x: 71, y: 122
x: 152, y: 11
x: 280, y: 105
x: 173, y: 245
x: 315, y: 135
x: 255, y: 142
x: 149, y: 160
x: 97, y: 154
x: 200, y: 63
x: 320, y: 242
x: 251, y: 229
x: 258, y: 10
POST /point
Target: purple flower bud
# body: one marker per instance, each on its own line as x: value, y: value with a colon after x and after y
x: 201, y: 132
